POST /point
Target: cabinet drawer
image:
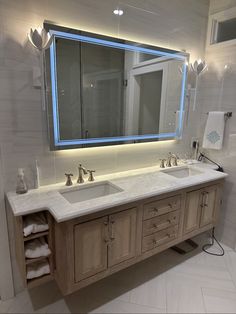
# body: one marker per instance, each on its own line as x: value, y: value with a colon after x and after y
x: 160, y: 222
x: 152, y: 241
x: 161, y: 207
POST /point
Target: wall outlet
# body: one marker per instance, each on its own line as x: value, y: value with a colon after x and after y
x: 194, y: 142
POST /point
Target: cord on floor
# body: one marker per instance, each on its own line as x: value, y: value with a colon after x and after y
x: 213, y: 240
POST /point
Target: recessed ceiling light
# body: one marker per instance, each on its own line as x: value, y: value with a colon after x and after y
x: 118, y: 12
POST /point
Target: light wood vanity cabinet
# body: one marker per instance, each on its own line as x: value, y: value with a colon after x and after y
x: 122, y: 229
x: 90, y: 248
x: 200, y: 208
x: 104, y: 242
x: 95, y: 246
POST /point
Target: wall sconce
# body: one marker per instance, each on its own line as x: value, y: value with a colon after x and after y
x: 198, y: 67
x: 41, y: 40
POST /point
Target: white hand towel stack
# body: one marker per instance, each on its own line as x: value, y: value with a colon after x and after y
x: 37, y: 270
x: 34, y: 223
x: 37, y: 248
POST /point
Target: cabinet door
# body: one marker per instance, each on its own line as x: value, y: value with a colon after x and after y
x: 122, y: 230
x: 90, y: 241
x: 210, y: 197
x: 192, y: 211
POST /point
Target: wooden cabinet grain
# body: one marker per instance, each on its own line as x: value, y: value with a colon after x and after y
x: 201, y: 208
x: 104, y: 242
x: 122, y: 243
x: 192, y: 211
x: 90, y: 245
x: 210, y: 202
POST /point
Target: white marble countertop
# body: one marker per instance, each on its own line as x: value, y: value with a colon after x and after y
x: 135, y: 184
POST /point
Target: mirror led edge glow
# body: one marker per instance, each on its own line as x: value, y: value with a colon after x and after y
x: 57, y: 141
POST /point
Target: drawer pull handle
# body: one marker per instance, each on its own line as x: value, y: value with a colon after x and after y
x: 154, y: 241
x: 112, y: 236
x: 168, y: 220
x: 170, y: 205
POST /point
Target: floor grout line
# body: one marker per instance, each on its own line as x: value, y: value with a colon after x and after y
x: 203, y: 301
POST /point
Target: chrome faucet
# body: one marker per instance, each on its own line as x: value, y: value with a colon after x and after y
x: 82, y: 171
x: 68, y: 179
x: 91, y: 177
x: 175, y: 160
x: 162, y: 163
x: 168, y: 161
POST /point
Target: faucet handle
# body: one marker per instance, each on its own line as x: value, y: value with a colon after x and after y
x: 68, y: 179
x: 176, y: 158
x: 91, y: 177
x: 162, y: 163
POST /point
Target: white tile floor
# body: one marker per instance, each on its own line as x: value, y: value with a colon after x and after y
x: 166, y: 283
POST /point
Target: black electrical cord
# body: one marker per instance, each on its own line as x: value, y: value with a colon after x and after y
x: 213, y: 240
x: 201, y: 155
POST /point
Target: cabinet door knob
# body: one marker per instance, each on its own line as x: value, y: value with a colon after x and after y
x: 155, y: 209
x: 170, y: 205
x: 154, y: 241
x: 155, y: 226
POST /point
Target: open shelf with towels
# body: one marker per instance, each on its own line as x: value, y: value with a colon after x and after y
x: 36, y: 235
x: 35, y: 244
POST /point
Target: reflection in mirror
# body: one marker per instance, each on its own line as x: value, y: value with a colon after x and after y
x: 103, y: 93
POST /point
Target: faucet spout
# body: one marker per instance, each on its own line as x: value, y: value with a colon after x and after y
x: 82, y: 171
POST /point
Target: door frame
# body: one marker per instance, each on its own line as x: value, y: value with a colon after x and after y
x: 132, y: 109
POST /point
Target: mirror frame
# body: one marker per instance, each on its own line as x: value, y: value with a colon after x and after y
x: 54, y: 128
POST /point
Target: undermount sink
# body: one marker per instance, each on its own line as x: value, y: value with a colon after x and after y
x: 95, y: 190
x: 182, y: 172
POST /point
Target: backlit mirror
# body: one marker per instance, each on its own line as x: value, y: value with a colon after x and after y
x: 105, y: 90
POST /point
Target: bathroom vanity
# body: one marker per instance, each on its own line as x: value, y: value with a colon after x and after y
x: 118, y: 220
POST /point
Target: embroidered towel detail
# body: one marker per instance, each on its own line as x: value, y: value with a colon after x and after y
x: 213, y: 137
x: 214, y: 130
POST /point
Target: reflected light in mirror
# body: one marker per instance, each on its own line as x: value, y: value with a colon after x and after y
x: 118, y: 12
x: 107, y: 149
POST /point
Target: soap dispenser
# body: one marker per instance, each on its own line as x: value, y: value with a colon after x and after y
x: 21, y: 186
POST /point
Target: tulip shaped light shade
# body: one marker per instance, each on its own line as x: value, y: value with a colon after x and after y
x: 198, y: 67
x: 40, y: 38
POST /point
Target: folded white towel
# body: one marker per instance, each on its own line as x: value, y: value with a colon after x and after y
x: 37, y: 270
x: 214, y: 131
x: 34, y: 223
x: 36, y: 248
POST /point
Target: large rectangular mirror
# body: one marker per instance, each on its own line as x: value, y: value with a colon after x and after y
x: 107, y: 90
